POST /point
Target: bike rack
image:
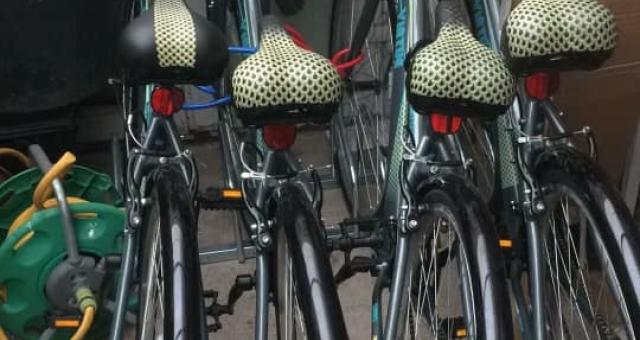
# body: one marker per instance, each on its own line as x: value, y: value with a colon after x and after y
x: 225, y: 253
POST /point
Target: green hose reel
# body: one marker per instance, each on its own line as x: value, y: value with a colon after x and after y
x: 25, y: 310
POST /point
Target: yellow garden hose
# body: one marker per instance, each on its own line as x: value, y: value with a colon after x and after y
x: 44, y: 189
x: 27, y: 213
x: 17, y: 155
x: 41, y: 196
x: 87, y: 321
x: 3, y: 297
x: 88, y: 306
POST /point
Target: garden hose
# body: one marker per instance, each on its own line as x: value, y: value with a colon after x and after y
x: 22, y: 158
x: 42, y: 193
x: 3, y: 297
x: 27, y: 213
x: 87, y: 321
x: 44, y: 189
x: 88, y: 306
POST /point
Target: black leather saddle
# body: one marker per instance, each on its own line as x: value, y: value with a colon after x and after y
x: 171, y: 44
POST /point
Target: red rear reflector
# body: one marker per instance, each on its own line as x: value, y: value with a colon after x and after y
x: 444, y: 124
x: 166, y: 101
x: 542, y: 85
x: 279, y: 137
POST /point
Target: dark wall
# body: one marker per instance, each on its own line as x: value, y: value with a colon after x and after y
x: 56, y: 52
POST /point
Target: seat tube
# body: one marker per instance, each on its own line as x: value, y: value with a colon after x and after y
x: 414, y: 11
x: 252, y: 13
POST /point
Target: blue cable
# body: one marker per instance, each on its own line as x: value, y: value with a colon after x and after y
x: 207, y: 105
x: 210, y: 90
x: 242, y: 49
x: 207, y: 89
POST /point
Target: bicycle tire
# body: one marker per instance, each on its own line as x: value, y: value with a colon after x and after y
x: 483, y: 281
x: 364, y: 114
x: 170, y: 245
x: 604, y: 223
x: 301, y: 262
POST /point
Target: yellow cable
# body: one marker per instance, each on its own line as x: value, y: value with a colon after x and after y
x: 3, y: 335
x: 17, y: 155
x: 44, y: 190
x: 27, y: 213
x: 87, y: 320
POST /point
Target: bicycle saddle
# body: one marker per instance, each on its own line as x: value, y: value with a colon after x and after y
x: 456, y: 75
x: 284, y: 83
x: 558, y: 35
x: 170, y: 43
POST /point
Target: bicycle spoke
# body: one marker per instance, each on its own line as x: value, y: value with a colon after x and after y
x: 579, y: 292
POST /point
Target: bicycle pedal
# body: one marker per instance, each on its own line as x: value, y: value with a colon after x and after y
x: 357, y: 264
x: 362, y: 264
x: 215, y: 310
x: 221, y: 199
x: 505, y: 244
x: 67, y: 321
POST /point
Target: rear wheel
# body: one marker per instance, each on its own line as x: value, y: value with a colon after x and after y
x: 454, y: 278
x: 360, y: 129
x: 306, y: 297
x: 291, y: 321
x: 171, y: 300
x: 590, y: 265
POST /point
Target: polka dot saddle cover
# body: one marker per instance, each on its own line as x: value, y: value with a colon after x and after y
x: 558, y: 35
x: 284, y: 81
x: 457, y: 75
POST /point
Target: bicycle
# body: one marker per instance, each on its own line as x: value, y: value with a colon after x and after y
x: 575, y: 244
x: 278, y: 86
x: 425, y: 207
x: 165, y: 44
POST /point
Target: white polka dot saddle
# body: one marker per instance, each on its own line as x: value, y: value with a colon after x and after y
x: 542, y: 35
x: 456, y: 75
x: 284, y: 83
